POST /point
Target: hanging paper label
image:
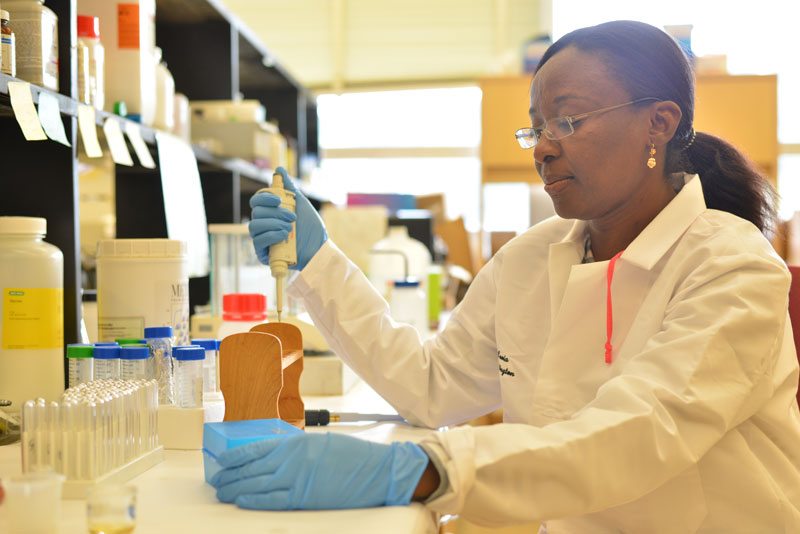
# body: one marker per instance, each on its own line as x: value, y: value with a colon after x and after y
x: 50, y: 117
x: 139, y: 146
x: 116, y: 142
x: 24, y: 111
x: 88, y: 130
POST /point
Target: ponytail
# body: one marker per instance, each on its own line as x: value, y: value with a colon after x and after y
x: 649, y: 63
x: 731, y: 182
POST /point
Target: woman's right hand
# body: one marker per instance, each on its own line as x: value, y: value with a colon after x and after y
x: 271, y: 224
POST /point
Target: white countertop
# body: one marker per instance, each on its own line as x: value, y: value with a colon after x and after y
x: 173, y: 497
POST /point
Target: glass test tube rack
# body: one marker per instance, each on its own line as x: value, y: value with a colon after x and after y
x: 98, y: 430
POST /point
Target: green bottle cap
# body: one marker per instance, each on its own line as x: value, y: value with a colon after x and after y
x: 120, y: 108
x: 78, y: 350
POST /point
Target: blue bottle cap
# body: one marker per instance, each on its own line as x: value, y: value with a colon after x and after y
x: 406, y: 283
x: 106, y: 344
x: 189, y: 352
x: 106, y: 352
x: 127, y: 352
x: 207, y: 344
x: 158, y: 331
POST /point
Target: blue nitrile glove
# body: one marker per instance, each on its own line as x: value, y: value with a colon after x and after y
x: 319, y: 472
x: 271, y: 224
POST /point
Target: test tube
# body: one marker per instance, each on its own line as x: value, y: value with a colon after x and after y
x: 160, y: 341
x: 106, y: 361
x: 133, y: 361
x: 211, y: 347
x: 81, y: 363
x: 42, y: 449
x: 29, y: 444
x: 54, y: 436
x: 190, y: 375
x: 67, y: 441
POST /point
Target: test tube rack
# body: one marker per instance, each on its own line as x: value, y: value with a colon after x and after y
x: 103, y: 431
x: 260, y: 374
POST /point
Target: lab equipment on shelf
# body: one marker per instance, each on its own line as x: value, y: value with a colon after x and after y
x: 165, y: 95
x: 32, y: 324
x: 81, y: 363
x: 133, y: 362
x: 106, y: 361
x: 189, y: 361
x: 409, y: 305
x: 89, y: 36
x: 36, y: 40
x: 159, y: 339
x: 8, y: 63
x: 93, y: 429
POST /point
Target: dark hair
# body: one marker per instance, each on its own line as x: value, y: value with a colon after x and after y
x: 649, y: 63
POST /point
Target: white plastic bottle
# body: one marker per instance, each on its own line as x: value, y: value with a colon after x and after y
x: 396, y: 257
x: 189, y: 361
x: 165, y: 96
x: 89, y: 36
x: 241, y: 312
x: 31, y: 313
x: 36, y: 30
x: 409, y: 305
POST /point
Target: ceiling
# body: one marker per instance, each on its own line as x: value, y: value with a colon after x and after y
x: 340, y: 45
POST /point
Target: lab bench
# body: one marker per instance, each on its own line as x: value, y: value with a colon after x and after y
x: 173, y: 496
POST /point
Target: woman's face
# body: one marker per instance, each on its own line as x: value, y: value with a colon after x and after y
x: 600, y: 169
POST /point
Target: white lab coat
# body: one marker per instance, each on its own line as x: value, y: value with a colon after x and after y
x: 694, y: 427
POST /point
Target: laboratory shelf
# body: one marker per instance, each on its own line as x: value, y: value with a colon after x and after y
x: 212, y: 55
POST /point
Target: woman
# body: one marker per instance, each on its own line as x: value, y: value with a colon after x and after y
x: 638, y: 343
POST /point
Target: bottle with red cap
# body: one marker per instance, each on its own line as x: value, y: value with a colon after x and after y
x: 241, y: 312
x: 89, y: 36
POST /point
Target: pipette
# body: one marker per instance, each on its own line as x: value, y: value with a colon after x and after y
x: 323, y: 417
x: 284, y: 254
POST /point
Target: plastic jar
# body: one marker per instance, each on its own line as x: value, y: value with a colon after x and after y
x: 241, y: 312
x: 89, y: 36
x: 8, y: 63
x: 142, y: 283
x: 81, y: 363
x: 189, y: 374
x: 31, y: 313
x: 397, y: 257
x: 36, y: 37
x: 133, y: 362
x: 211, y: 347
x: 106, y: 361
x: 409, y: 305
x: 159, y: 338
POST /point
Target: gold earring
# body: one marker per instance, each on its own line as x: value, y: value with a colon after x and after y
x: 651, y: 161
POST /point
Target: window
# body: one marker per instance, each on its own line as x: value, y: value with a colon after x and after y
x: 412, y: 141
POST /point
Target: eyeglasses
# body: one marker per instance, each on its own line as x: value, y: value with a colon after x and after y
x: 561, y: 127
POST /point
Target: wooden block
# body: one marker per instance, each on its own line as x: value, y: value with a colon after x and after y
x: 290, y: 404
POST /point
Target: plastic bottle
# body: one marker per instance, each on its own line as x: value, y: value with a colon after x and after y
x: 409, y: 305
x: 165, y: 95
x: 211, y: 346
x: 189, y: 361
x: 241, y: 312
x: 8, y: 63
x: 106, y: 361
x: 159, y: 339
x: 84, y: 79
x: 81, y: 363
x: 36, y: 35
x: 133, y: 362
x: 387, y: 263
x: 89, y: 36
x: 31, y: 313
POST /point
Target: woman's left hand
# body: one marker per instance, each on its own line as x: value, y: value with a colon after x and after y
x: 318, y: 472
